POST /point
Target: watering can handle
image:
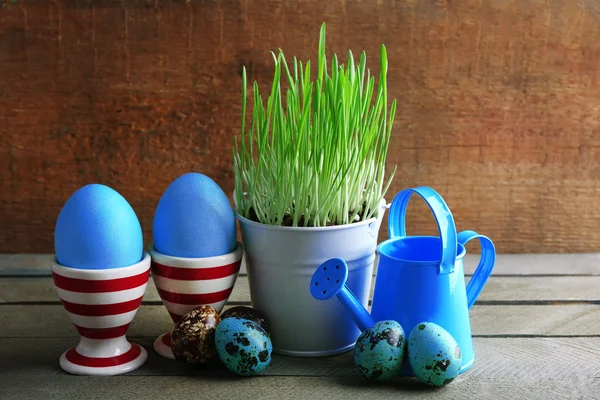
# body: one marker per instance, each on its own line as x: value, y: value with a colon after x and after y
x: 486, y: 264
x: 443, y: 219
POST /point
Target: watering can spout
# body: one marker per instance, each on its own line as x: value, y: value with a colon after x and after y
x: 329, y: 280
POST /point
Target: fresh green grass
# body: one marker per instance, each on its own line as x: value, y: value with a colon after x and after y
x: 316, y: 157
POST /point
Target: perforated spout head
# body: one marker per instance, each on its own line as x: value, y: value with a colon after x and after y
x: 329, y: 279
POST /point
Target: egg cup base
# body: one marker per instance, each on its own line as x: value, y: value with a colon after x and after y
x: 74, y: 363
x: 162, y: 345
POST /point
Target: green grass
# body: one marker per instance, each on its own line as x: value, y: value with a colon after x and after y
x: 317, y: 156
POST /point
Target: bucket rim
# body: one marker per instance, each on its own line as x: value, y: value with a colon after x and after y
x: 382, y: 208
x: 304, y: 228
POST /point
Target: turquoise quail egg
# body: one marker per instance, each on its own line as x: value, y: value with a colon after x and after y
x: 433, y: 354
x: 243, y: 346
x: 379, y: 351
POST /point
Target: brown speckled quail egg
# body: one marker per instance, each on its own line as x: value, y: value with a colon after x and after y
x: 193, y: 338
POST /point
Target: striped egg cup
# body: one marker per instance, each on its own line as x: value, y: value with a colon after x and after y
x: 186, y: 283
x: 101, y: 304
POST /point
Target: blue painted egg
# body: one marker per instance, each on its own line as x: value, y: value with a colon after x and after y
x: 379, y: 351
x: 433, y: 354
x: 194, y: 219
x: 97, y: 229
x: 243, y: 346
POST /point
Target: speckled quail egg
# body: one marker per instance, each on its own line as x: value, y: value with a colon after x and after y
x: 193, y: 338
x: 243, y: 346
x: 433, y: 354
x: 247, y: 313
x: 379, y: 351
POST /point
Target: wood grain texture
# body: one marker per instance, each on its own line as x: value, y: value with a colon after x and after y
x: 17, y: 265
x: 497, y: 289
x: 498, y: 104
x: 21, y: 321
x: 497, y: 358
x: 61, y: 386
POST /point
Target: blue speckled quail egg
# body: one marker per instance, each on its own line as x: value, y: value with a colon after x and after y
x: 243, y: 346
x: 433, y: 354
x: 98, y: 229
x: 247, y: 313
x: 379, y: 351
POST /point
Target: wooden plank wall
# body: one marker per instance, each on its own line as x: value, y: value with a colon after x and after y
x: 498, y: 104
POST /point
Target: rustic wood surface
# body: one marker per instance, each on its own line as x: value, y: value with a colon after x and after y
x: 532, y: 341
x: 507, y: 264
x: 498, y: 290
x: 498, y: 358
x: 292, y: 387
x: 151, y: 320
x: 498, y: 104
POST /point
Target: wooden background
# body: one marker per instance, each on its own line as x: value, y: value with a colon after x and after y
x: 498, y: 104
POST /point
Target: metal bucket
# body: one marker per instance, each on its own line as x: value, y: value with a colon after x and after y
x: 281, y: 261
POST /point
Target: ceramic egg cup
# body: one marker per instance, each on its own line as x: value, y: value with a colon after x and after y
x: 101, y: 304
x: 186, y: 283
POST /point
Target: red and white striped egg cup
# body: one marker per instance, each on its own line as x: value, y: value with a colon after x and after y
x: 186, y: 283
x: 101, y: 304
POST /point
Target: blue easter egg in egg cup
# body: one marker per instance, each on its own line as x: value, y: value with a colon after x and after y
x: 194, y: 219
x: 98, y: 229
x: 100, y: 272
x: 196, y: 257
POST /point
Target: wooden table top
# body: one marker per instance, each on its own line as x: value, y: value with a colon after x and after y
x: 536, y: 329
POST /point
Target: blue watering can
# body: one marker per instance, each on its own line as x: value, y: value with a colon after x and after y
x: 419, y: 278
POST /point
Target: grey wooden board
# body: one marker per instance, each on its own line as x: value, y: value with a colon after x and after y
x: 497, y: 358
x: 497, y: 289
x: 25, y: 264
x: 39, y: 264
x: 509, y: 364
x: 41, y: 289
x: 151, y: 321
x: 61, y: 386
x: 506, y: 264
